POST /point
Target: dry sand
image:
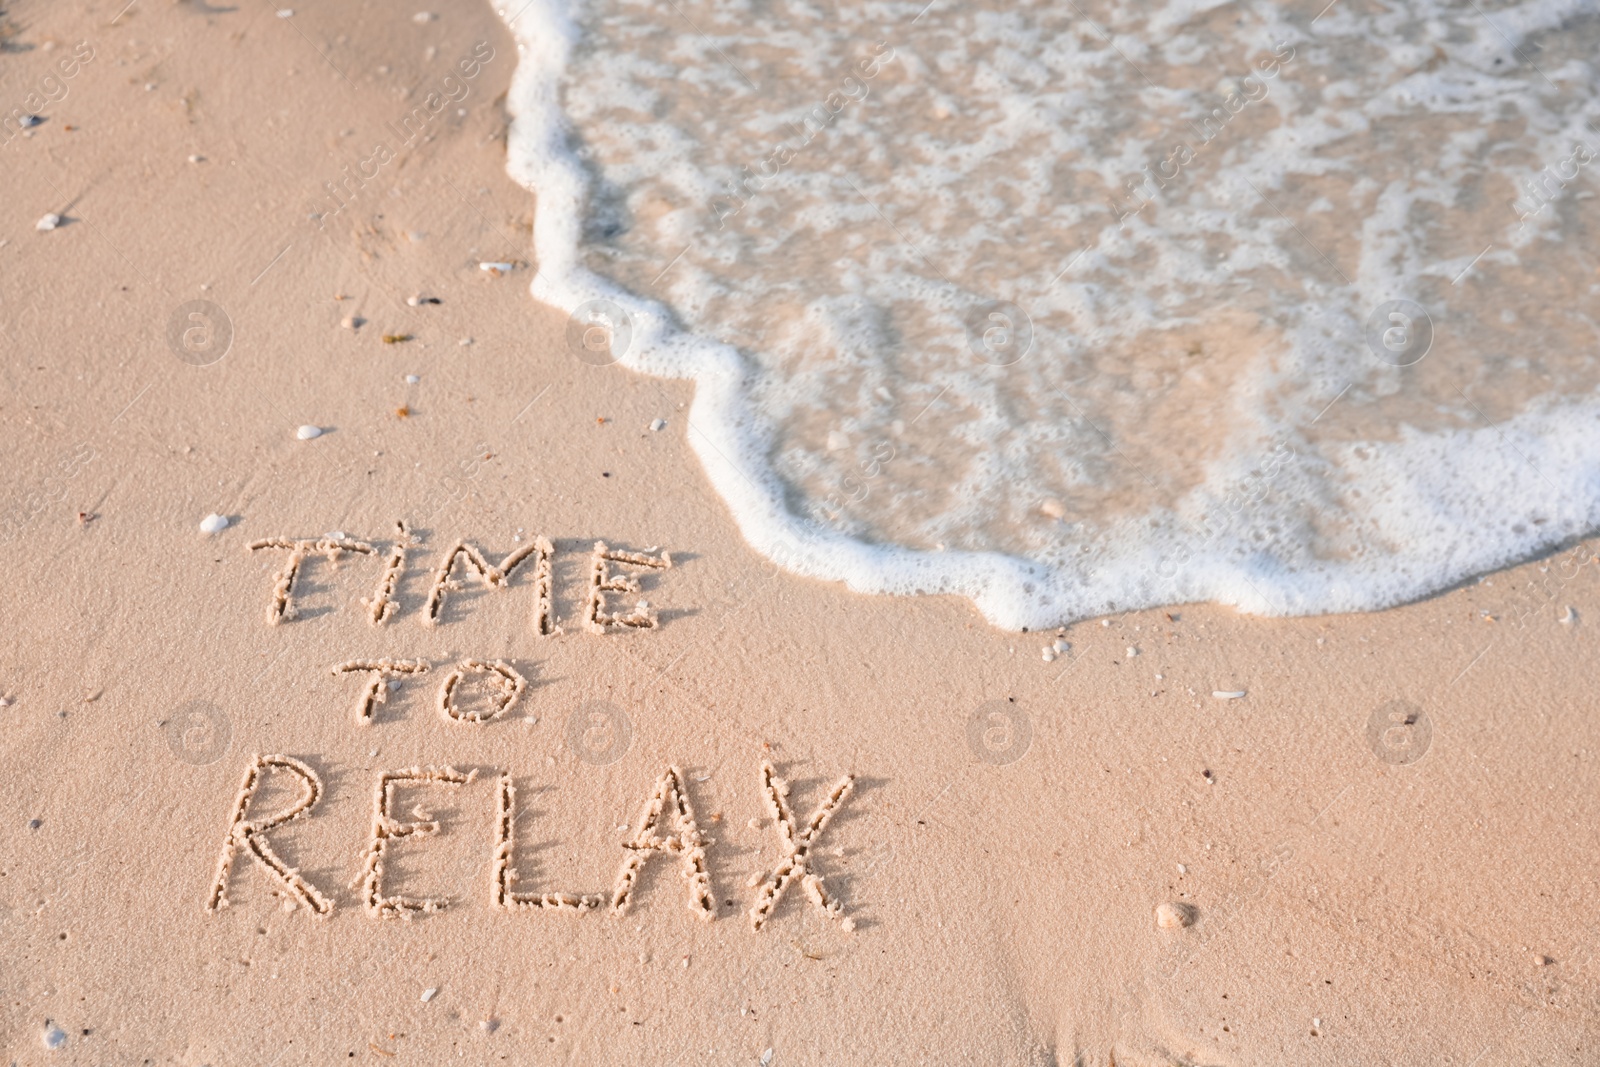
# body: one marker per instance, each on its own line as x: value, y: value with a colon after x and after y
x: 998, y: 880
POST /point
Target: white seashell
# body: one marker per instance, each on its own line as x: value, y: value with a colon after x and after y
x: 48, y: 223
x: 308, y: 431
x: 213, y: 523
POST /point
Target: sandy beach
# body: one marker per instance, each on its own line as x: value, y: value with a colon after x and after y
x: 851, y: 829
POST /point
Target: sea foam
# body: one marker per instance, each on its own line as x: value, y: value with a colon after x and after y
x: 1078, y: 309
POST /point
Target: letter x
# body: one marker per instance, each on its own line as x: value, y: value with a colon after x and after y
x: 796, y: 861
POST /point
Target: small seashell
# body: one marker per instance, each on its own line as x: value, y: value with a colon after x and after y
x: 48, y: 223
x: 29, y: 121
x: 308, y: 432
x: 1174, y: 916
x: 423, y: 16
x: 213, y: 523
x: 429, y: 993
x: 1048, y: 654
x: 658, y: 425
x: 286, y: 12
x: 412, y: 379
x: 1569, y: 616
x: 1132, y: 651
x: 496, y: 268
x: 53, y: 1037
x: 1227, y: 694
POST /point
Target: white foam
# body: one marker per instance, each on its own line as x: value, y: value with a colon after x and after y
x: 1407, y: 487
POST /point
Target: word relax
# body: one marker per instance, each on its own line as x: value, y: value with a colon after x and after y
x: 667, y: 829
x: 464, y: 557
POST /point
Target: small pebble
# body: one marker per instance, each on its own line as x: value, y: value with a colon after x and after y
x: 286, y: 12
x: 34, y: 824
x: 30, y: 120
x: 412, y: 379
x: 54, y: 1037
x: 1172, y: 916
x: 197, y: 159
x: 429, y: 993
x: 1105, y: 622
x: 659, y: 425
x: 1048, y: 653
x: 213, y: 523
x: 351, y: 322
x: 847, y: 925
x: 423, y: 16
x: 1132, y: 651
x: 308, y: 431
x: 464, y: 342
x: 48, y: 223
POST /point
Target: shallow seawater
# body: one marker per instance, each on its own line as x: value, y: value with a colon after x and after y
x: 1077, y: 307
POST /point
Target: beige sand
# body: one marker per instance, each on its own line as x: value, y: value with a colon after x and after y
x: 992, y: 882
